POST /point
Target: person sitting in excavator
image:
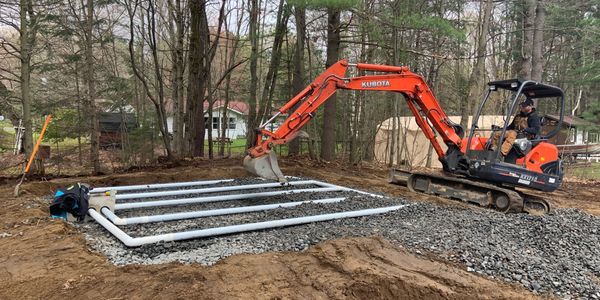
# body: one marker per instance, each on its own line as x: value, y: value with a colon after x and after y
x: 525, y: 124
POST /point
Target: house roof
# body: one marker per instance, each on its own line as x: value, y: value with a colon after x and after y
x: 239, y: 106
x: 572, y: 121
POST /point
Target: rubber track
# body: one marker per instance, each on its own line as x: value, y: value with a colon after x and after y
x: 517, y: 200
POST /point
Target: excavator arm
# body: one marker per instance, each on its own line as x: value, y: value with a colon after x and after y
x: 430, y: 117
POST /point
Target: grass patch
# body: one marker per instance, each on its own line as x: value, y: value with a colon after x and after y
x: 589, y: 171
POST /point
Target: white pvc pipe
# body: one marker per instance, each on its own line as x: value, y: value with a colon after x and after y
x: 156, y: 186
x: 218, y: 198
x: 349, y: 189
x: 201, y: 233
x: 212, y: 190
x: 208, y: 213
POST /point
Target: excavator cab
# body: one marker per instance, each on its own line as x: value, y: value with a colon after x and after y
x: 532, y: 162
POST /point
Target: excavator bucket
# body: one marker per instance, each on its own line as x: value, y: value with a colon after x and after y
x: 265, y: 166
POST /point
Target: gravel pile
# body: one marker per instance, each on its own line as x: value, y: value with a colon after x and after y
x: 556, y: 253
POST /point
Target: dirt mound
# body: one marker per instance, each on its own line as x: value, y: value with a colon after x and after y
x: 357, y: 268
x: 52, y: 262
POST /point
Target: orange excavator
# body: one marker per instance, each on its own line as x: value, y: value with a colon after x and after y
x: 474, y: 171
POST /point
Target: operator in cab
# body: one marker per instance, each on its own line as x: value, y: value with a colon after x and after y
x: 525, y: 124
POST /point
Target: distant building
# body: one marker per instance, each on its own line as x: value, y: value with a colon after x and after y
x: 413, y: 148
x: 112, y: 126
x: 576, y: 138
x: 236, y: 123
x: 574, y: 131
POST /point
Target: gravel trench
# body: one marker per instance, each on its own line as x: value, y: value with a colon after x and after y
x: 556, y: 253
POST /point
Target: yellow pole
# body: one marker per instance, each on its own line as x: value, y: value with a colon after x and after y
x: 37, y: 143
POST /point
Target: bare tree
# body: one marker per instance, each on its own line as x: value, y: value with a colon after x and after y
x: 231, y: 51
x: 178, y: 16
x: 283, y: 15
x: 28, y: 31
x: 253, y: 7
x: 201, y: 54
x: 158, y: 99
x: 478, y: 72
x: 298, y: 76
x: 328, y: 139
x: 529, y: 7
x: 537, y: 58
x: 91, y: 86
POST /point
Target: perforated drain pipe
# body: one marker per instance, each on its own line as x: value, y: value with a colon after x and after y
x: 218, y: 198
x: 202, y: 233
x: 215, y: 189
x: 208, y: 213
x: 157, y: 186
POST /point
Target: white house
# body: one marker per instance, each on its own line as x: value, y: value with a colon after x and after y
x: 237, y: 117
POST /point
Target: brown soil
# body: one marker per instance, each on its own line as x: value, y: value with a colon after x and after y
x: 45, y: 258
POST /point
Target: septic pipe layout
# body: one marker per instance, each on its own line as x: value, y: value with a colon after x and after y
x: 109, y: 220
x: 219, y: 198
x: 156, y: 186
x: 211, y: 190
x: 217, y: 231
x: 208, y: 213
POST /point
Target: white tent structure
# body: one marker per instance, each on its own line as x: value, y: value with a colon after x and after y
x: 401, y: 141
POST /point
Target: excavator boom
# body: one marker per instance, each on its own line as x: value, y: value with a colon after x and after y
x: 429, y: 115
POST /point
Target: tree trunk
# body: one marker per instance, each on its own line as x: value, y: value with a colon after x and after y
x: 177, y: 15
x: 298, y: 65
x: 529, y: 7
x: 196, y: 81
x: 230, y: 64
x: 271, y: 76
x: 478, y: 73
x: 253, y: 34
x: 79, y: 119
x: 91, y: 87
x: 328, y: 140
x: 159, y: 100
x: 26, y: 39
x: 538, y: 42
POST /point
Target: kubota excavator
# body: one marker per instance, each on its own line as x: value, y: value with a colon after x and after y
x: 472, y: 171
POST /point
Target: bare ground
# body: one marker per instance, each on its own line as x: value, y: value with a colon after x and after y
x: 45, y: 258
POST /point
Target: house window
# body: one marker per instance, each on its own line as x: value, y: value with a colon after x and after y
x: 231, y: 123
x: 205, y: 122
x: 215, y: 123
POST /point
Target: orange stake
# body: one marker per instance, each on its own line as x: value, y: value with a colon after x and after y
x: 37, y: 143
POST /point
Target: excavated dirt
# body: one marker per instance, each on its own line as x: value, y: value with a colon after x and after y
x: 45, y: 258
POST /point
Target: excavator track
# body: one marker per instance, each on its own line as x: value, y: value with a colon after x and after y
x: 473, y: 192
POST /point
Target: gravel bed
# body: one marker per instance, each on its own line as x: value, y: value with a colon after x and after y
x: 556, y: 253
x: 225, y: 204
